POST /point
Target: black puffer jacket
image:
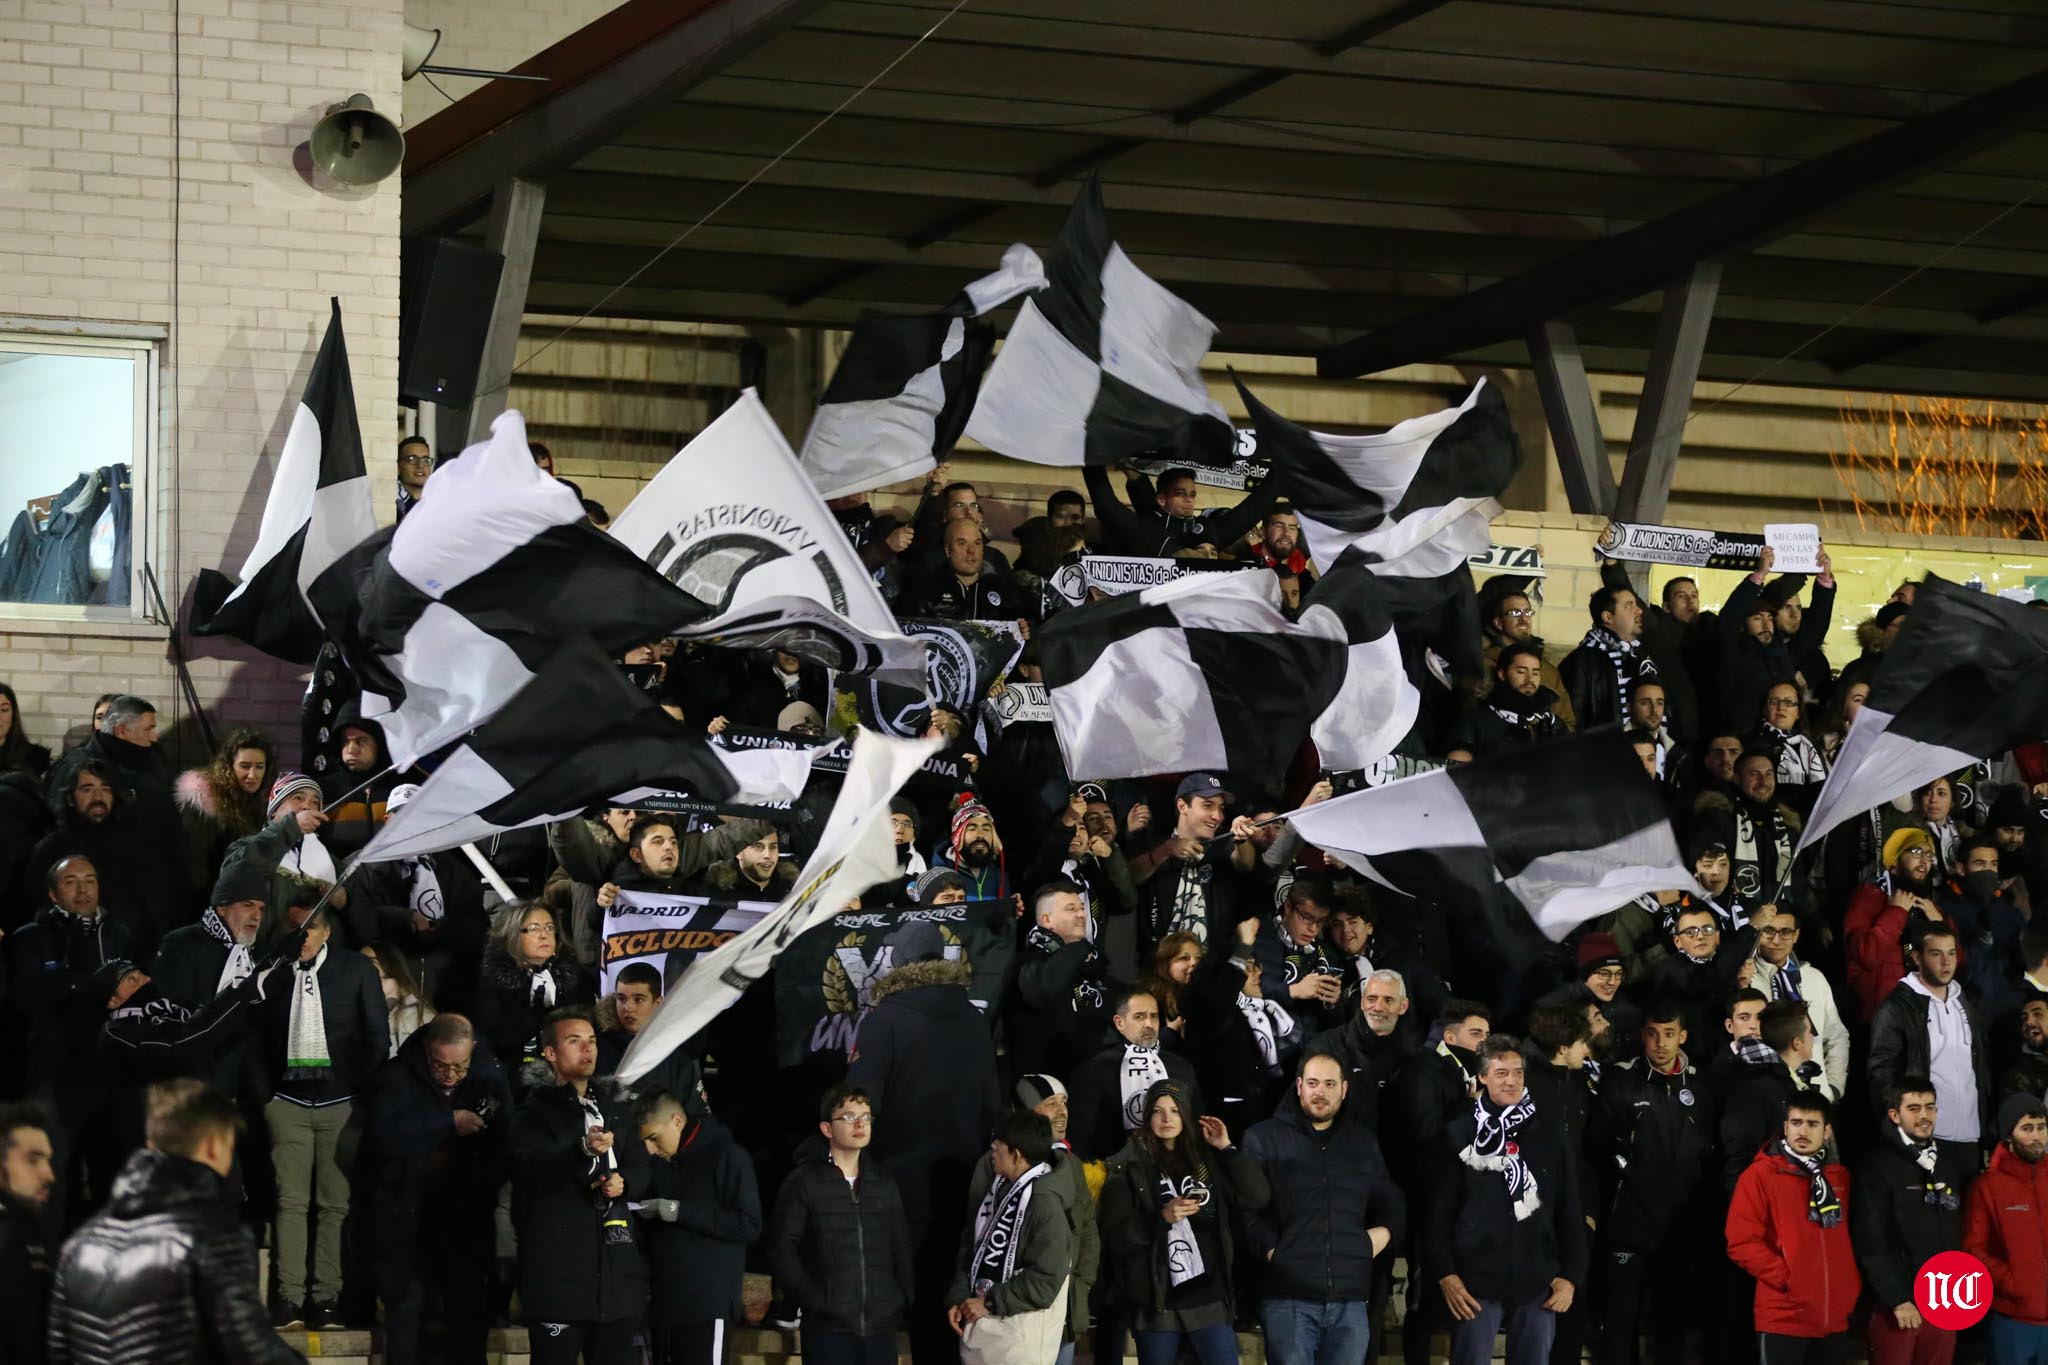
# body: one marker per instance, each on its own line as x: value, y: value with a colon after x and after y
x: 1329, y: 1190
x: 164, y: 1275
x: 842, y: 1252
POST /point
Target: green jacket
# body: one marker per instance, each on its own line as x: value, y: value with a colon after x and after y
x: 1045, y: 1254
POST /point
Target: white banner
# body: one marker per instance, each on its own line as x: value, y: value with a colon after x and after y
x: 733, y: 520
x: 856, y: 851
x: 670, y: 932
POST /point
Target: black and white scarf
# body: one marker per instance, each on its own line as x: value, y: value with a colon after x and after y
x: 1799, y: 759
x: 1183, y: 1249
x: 1140, y: 1070
x: 1630, y: 660
x: 240, y: 965
x: 1494, y: 1148
x: 1785, y: 984
x: 1934, y: 1191
x: 1271, y: 1026
x: 540, y: 985
x: 423, y: 888
x: 1754, y: 1051
x: 998, y: 1228
x: 1746, y: 871
x: 1087, y: 991
x: 1821, y: 1205
x: 306, y: 1054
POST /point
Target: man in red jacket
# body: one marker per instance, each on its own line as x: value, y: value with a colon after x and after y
x: 2005, y: 1225
x: 1788, y: 1227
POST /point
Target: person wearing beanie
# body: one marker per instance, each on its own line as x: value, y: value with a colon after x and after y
x: 1885, y: 916
x: 925, y: 1056
x: 1788, y: 1229
x: 940, y: 886
x: 307, y: 859
x: 2005, y: 1225
x: 975, y: 851
x: 1603, y: 973
x: 1078, y: 1181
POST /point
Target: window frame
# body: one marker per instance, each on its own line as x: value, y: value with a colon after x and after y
x: 141, y: 343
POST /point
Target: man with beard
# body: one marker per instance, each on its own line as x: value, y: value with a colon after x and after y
x: 1280, y: 547
x: 1788, y: 1231
x: 28, y: 1175
x: 1110, y: 1086
x: 1758, y: 830
x: 1333, y: 1211
x: 1602, y: 970
x: 976, y: 852
x: 1883, y: 916
x: 661, y: 859
x: 924, y: 1054
x: 96, y: 820
x: 125, y: 740
x: 1675, y: 638
x: 1909, y: 1199
x: 582, y: 1279
x: 1062, y: 1004
x: 2005, y: 1225
x: 212, y: 957
x: 1926, y: 1027
x: 1780, y: 975
x: 1518, y: 712
x: 1716, y: 776
x: 1510, y: 617
x: 1987, y: 923
x: 1295, y: 968
x: 1432, y: 1088
x: 1188, y: 880
x: 1597, y: 674
x: 1658, y: 1210
x: 2024, y: 1067
x: 1753, y: 654
x: 1373, y: 1044
x: 1647, y: 715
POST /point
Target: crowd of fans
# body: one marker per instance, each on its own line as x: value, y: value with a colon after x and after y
x: 1227, y: 1085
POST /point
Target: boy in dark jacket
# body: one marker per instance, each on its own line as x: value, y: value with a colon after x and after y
x: 703, y: 1212
x: 1333, y: 1210
x: 1909, y: 1199
x: 1504, y: 1235
x: 582, y: 1279
x: 1788, y: 1230
x: 1008, y: 1299
x: 838, y: 1243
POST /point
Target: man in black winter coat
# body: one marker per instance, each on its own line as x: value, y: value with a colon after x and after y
x: 1657, y: 1146
x: 1174, y: 523
x: 1333, y: 1210
x: 1373, y: 1045
x: 95, y: 817
x: 1752, y: 654
x: 924, y: 1054
x: 1908, y: 1207
x: 1062, y: 999
x: 28, y: 1175
x: 126, y: 743
x: 582, y: 1279
x: 1504, y: 1237
x: 1295, y: 967
x: 839, y: 1244
x: 1433, y: 1087
x: 165, y: 1272
x: 1110, y: 1087
x: 436, y: 1152
x: 662, y: 859
x: 702, y: 1212
x: 1767, y: 1072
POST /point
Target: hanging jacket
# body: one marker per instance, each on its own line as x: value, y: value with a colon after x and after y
x: 1806, y: 1278
x: 63, y: 571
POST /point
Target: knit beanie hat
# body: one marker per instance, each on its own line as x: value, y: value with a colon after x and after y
x: 1596, y: 951
x: 1896, y: 846
x: 101, y: 984
x: 925, y: 890
x: 2013, y: 1108
x: 287, y: 783
x: 1036, y: 1089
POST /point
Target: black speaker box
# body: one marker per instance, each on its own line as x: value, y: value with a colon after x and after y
x: 446, y: 288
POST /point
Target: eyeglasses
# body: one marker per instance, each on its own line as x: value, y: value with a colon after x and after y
x: 547, y: 929
x: 1699, y: 931
x: 854, y: 1120
x: 1519, y: 614
x: 1607, y: 974
x: 416, y: 459
x: 455, y: 1069
x: 1793, y: 932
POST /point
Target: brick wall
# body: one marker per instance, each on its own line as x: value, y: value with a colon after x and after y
x: 490, y: 35
x: 108, y: 215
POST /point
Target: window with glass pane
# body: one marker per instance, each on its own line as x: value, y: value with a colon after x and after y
x: 73, y: 433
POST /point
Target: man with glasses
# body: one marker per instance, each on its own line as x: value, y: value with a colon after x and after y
x: 415, y: 462
x: 1514, y: 623
x: 1704, y: 965
x: 1777, y: 971
x: 838, y: 1242
x: 1295, y: 966
x: 436, y: 1152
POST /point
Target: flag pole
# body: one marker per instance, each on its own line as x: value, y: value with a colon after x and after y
x: 321, y: 905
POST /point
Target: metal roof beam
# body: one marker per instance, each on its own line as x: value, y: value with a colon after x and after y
x: 1644, y: 257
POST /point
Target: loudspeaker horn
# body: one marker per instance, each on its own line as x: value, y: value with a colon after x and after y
x: 419, y: 48
x: 355, y: 144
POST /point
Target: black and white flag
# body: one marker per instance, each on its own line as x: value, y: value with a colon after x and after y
x: 733, y: 520
x: 1415, y: 501
x: 1568, y: 830
x: 580, y: 734
x: 962, y: 660
x: 906, y: 383
x: 1966, y: 679
x: 444, y: 617
x: 1102, y: 365
x: 319, y: 508
x: 1206, y: 673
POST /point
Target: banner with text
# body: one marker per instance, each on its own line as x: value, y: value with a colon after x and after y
x: 669, y: 932
x: 1681, y: 545
x: 825, y: 980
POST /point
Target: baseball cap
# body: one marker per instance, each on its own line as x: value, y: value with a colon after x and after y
x: 1201, y: 784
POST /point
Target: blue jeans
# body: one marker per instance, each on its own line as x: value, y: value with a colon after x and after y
x: 1299, y: 1332
x: 2012, y: 1342
x: 1215, y: 1344
x: 1530, y: 1327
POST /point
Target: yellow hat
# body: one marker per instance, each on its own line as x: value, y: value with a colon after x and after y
x: 1896, y: 846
